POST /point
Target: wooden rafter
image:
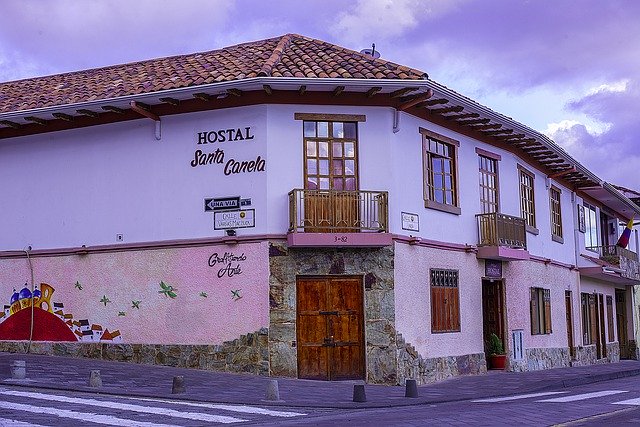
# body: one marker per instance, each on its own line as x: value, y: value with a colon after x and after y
x: 10, y: 124
x: 113, y: 109
x: 401, y: 92
x: 417, y: 100
x: 86, y: 112
x: 302, y: 90
x: 373, y: 91
x: 234, y: 92
x: 526, y: 141
x: 202, y: 96
x: 267, y: 89
x: 63, y: 116
x: 436, y: 101
x: 499, y: 132
x: 445, y: 110
x: 143, y: 110
x: 564, y: 172
x: 338, y: 90
x: 474, y: 122
x: 38, y: 120
x: 170, y: 101
x: 515, y: 137
x: 464, y: 116
x: 484, y: 128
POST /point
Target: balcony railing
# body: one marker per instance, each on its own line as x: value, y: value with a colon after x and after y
x: 497, y: 229
x: 334, y: 211
x: 613, y: 253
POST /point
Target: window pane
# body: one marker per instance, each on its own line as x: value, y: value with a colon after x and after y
x: 310, y: 129
x: 349, y: 167
x: 337, y: 149
x: 323, y: 129
x: 338, y: 184
x: 437, y: 165
x: 350, y: 184
x: 312, y: 183
x: 349, y: 149
x: 312, y: 167
x: 337, y: 167
x: 350, y: 130
x: 338, y: 130
x: 447, y: 166
x: 438, y: 195
x: 437, y: 181
x: 449, y: 199
x: 324, y: 167
x: 323, y: 149
x: 311, y: 149
x: 324, y: 183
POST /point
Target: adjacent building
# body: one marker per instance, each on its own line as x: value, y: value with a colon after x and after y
x: 293, y: 208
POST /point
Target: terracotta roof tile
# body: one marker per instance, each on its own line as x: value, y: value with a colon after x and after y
x: 285, y: 56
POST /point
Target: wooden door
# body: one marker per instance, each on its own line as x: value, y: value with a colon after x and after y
x: 601, y: 339
x: 492, y: 310
x: 330, y: 334
x: 621, y: 322
x: 569, y: 314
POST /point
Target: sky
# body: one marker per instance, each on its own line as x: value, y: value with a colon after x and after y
x: 567, y: 68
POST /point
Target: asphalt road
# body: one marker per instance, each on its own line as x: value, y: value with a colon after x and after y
x: 615, y: 402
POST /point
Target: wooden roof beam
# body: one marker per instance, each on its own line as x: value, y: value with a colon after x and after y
x: 86, y: 112
x: 338, y: 90
x: 436, y: 102
x: 267, y: 89
x: 473, y: 122
x: 38, y: 120
x: 113, y: 109
x: 63, y: 116
x: 417, y: 100
x: 9, y: 123
x: 464, y: 116
x: 563, y: 172
x: 401, y: 92
x: 373, y: 91
x: 170, y: 101
x: 302, y: 89
x: 234, y: 92
x: 444, y: 110
x: 143, y: 110
x: 517, y: 136
x: 549, y: 162
x: 526, y: 141
x: 484, y: 128
x: 499, y: 132
x: 202, y: 96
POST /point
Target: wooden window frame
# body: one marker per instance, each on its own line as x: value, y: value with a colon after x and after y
x: 555, y: 210
x: 428, y: 177
x: 540, y: 307
x: 610, y: 328
x: 587, y: 234
x: 529, y: 215
x: 581, y: 219
x: 485, y: 176
x: 589, y: 318
x: 445, y: 300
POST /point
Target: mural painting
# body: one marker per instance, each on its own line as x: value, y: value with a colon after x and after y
x: 50, y: 322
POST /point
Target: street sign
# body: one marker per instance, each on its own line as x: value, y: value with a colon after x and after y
x: 223, y: 220
x: 222, y: 204
x: 410, y: 221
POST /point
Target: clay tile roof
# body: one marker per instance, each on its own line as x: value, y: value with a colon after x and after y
x: 290, y: 55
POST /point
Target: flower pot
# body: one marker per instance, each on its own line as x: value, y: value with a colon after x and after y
x: 497, y: 361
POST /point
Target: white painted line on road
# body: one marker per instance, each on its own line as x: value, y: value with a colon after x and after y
x: 583, y: 396
x: 233, y: 408
x: 127, y: 407
x: 89, y: 417
x: 518, y: 396
x: 15, y: 423
x: 635, y: 402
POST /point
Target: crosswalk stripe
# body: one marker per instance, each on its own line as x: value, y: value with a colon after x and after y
x: 4, y: 422
x: 127, y: 407
x: 629, y: 402
x: 89, y: 417
x: 232, y: 408
x: 518, y: 396
x: 583, y: 396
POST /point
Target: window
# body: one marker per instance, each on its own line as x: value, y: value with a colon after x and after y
x: 330, y: 155
x: 591, y: 227
x: 556, y: 214
x: 540, y: 311
x: 588, y: 312
x: 610, y: 318
x: 445, y: 301
x: 527, y: 204
x: 439, y: 163
x: 488, y: 169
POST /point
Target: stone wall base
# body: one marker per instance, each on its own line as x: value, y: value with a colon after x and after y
x: 247, y: 354
x: 537, y: 359
x: 587, y: 355
x: 429, y: 370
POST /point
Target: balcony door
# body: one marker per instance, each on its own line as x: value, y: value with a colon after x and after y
x: 488, y: 169
x: 331, y: 176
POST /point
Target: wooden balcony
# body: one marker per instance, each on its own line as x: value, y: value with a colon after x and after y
x: 501, y: 237
x: 625, y: 261
x: 338, y: 218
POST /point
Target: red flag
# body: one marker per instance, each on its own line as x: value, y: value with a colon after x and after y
x: 623, y: 241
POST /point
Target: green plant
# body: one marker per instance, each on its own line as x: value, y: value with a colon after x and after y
x: 495, y: 345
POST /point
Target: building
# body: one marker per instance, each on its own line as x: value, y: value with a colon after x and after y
x: 290, y: 207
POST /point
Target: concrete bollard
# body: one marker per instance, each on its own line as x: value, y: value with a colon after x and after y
x: 359, y: 393
x: 94, y: 379
x: 272, y: 390
x: 178, y: 385
x: 411, y: 388
x: 19, y: 369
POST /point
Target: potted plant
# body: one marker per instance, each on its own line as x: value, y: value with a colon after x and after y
x: 497, y: 357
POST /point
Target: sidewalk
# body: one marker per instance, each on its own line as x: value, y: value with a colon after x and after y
x: 118, y: 378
